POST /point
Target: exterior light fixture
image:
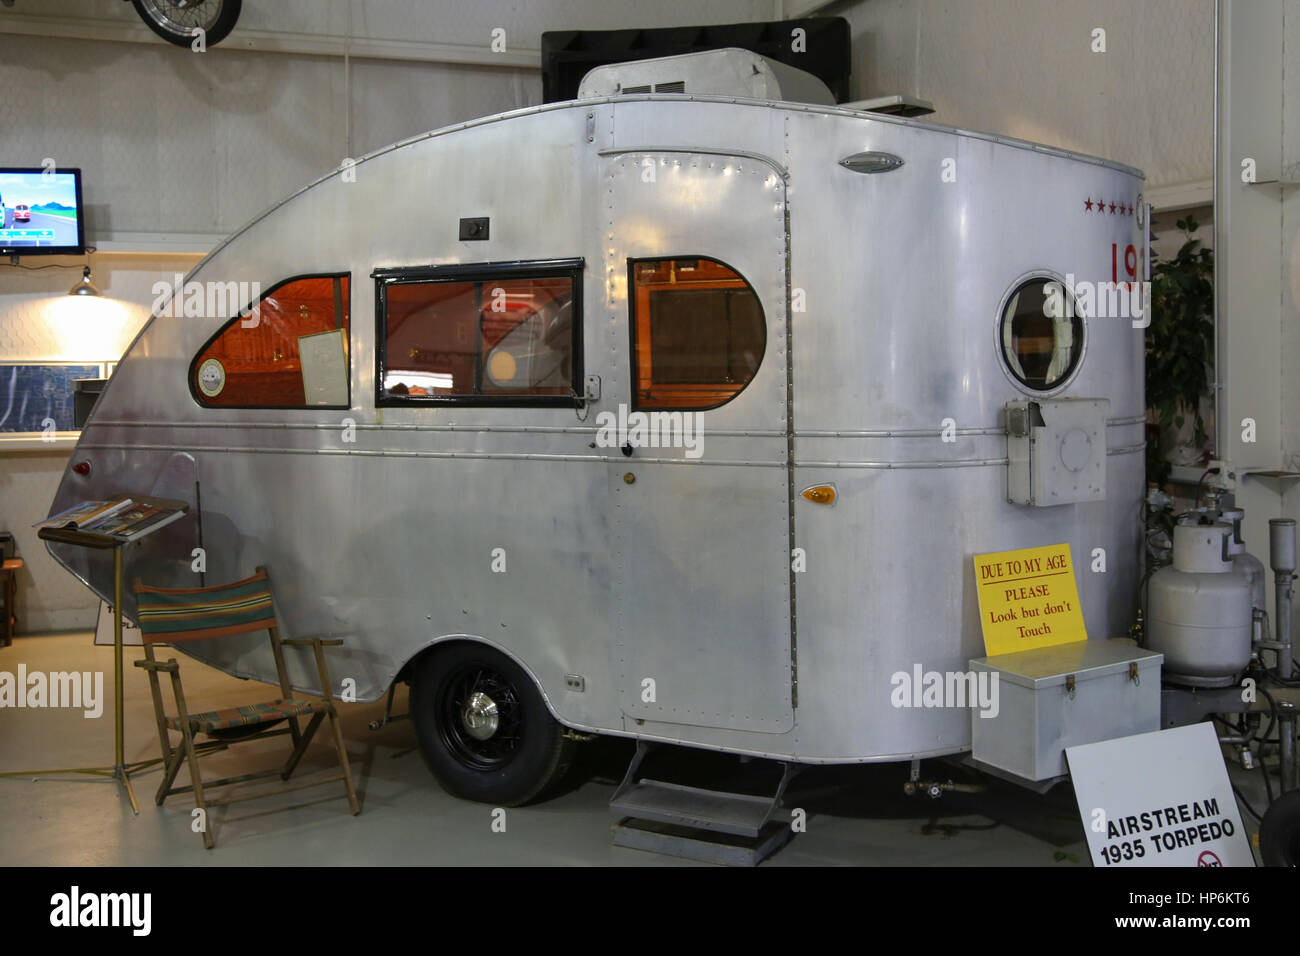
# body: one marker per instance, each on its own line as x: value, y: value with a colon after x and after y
x: 84, y: 286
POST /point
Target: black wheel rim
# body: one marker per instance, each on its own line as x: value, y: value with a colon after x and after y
x: 457, y: 692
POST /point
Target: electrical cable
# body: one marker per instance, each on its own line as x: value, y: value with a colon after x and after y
x: 1292, y: 681
x: 1240, y: 726
x: 13, y: 264
x: 1272, y: 704
x: 1268, y: 785
x: 1272, y: 712
x: 1241, y: 798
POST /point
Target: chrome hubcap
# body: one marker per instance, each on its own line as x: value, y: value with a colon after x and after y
x: 480, y: 716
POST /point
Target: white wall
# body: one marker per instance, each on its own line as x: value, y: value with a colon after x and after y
x: 1289, y: 240
x: 443, y: 21
x: 1258, y: 258
x: 174, y: 142
x: 179, y: 142
x: 40, y: 322
x: 1167, y: 238
x: 1025, y: 68
x: 179, y: 149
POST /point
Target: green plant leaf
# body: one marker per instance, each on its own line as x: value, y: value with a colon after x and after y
x: 1178, y: 344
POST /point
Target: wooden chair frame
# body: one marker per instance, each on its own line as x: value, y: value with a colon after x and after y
x: 190, y: 724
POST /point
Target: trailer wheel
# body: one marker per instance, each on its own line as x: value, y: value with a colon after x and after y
x: 1279, y: 831
x: 483, y: 727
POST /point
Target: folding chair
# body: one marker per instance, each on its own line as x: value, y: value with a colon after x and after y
x: 193, y: 614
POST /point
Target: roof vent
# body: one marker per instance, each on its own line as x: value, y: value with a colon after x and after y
x: 727, y: 72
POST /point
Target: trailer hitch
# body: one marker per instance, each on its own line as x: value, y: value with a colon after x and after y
x: 934, y: 789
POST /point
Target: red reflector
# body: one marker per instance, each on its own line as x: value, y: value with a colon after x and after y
x: 82, y: 467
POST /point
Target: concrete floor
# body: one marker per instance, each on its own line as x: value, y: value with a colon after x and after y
x: 856, y: 815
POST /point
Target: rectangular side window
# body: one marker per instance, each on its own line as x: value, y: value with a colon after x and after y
x: 506, y: 334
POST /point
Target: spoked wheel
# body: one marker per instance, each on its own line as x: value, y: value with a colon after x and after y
x: 479, y: 719
x: 483, y: 727
x: 175, y: 20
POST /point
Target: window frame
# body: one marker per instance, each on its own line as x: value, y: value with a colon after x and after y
x: 634, y: 379
x: 571, y: 269
x: 999, y: 319
x: 192, y: 374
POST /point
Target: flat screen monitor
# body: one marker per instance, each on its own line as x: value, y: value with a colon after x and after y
x: 42, y: 212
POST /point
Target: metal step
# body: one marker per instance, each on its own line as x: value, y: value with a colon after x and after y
x: 736, y: 813
x: 736, y: 829
x: 720, y: 848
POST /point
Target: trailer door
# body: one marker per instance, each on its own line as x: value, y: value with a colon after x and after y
x: 695, y: 406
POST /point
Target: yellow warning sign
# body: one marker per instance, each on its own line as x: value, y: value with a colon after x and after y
x: 1028, y: 599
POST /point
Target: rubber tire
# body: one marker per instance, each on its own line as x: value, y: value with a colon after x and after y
x: 225, y: 22
x: 544, y: 754
x: 1279, y: 831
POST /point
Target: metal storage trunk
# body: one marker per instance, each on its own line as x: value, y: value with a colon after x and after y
x: 1056, y: 697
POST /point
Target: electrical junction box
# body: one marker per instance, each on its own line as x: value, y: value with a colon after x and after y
x: 1050, y: 698
x: 1056, y: 450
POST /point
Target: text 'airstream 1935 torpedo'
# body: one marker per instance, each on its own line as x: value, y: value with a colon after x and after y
x: 668, y: 415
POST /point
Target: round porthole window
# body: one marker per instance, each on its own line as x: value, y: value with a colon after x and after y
x: 1041, y: 332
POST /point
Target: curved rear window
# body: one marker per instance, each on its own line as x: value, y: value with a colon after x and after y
x: 289, y: 350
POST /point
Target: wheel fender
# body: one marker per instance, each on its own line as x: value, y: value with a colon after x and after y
x: 478, y: 639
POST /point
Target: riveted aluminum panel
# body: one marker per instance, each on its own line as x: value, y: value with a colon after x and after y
x: 386, y: 541
x: 701, y: 547
x: 899, y: 389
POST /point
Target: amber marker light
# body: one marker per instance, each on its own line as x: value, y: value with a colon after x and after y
x: 820, y: 494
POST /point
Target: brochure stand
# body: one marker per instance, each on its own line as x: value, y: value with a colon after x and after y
x: 165, y: 511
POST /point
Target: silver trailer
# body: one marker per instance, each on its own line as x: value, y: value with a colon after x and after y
x: 411, y: 428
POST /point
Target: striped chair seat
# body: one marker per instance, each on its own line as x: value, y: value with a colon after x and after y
x: 246, y: 716
x: 171, y: 616
x: 179, y: 615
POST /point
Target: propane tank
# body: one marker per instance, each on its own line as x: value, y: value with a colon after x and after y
x: 1200, y: 608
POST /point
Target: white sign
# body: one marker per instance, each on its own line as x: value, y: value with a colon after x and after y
x: 1159, y: 799
x: 104, y: 628
x: 324, y: 368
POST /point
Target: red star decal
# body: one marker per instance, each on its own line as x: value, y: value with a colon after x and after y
x: 1112, y: 209
x: 1087, y: 204
x: 1101, y: 205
